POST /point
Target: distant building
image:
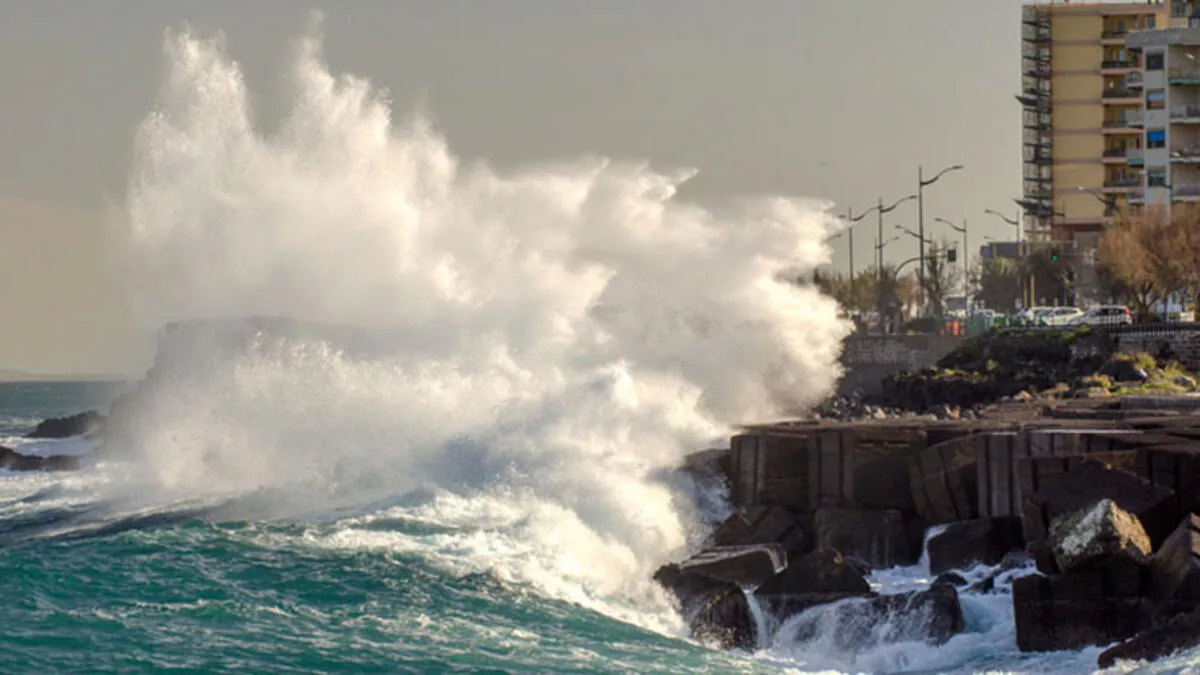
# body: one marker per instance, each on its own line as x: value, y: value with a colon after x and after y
x: 1084, y: 139
x: 1170, y: 107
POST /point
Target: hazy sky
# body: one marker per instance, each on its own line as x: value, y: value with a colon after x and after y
x: 833, y: 99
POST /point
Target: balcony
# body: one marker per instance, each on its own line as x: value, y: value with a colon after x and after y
x: 1135, y: 156
x: 1113, y: 36
x: 1122, y: 183
x: 1134, y: 80
x: 1184, y: 76
x: 1117, y: 64
x: 1187, y: 114
x: 1118, y: 92
x: 1110, y: 153
x: 1189, y: 154
x: 1135, y: 195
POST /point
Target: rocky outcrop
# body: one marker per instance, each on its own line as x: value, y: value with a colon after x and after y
x: 762, y: 525
x: 715, y: 611
x: 984, y: 540
x: 822, y: 571
x: 64, y: 427
x: 1182, y: 632
x: 11, y: 460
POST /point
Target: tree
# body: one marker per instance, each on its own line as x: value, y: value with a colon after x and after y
x: 997, y: 283
x: 938, y: 280
x: 1151, y: 255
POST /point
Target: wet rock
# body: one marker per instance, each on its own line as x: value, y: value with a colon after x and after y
x: 1076, y: 611
x: 715, y: 611
x: 708, y: 464
x: 1089, y: 482
x: 984, y: 540
x: 1181, y: 632
x: 762, y: 525
x: 822, y: 571
x: 742, y: 565
x: 879, y: 538
x: 953, y: 578
x: 65, y: 427
x: 11, y: 460
x: 1014, y: 559
x: 983, y: 586
x: 1175, y: 567
x: 1122, y: 370
x: 932, y: 616
x: 1102, y: 529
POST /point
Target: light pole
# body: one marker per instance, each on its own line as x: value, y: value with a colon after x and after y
x: 1026, y: 300
x: 882, y: 210
x: 922, y: 183
x: 914, y: 235
x: 965, y: 256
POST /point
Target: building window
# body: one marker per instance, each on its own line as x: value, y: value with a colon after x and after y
x: 1178, y: 8
x: 1156, y: 99
x: 1150, y: 22
x: 1154, y: 61
x: 1157, y: 177
x: 1156, y: 138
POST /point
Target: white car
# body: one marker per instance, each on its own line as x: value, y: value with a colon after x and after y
x: 1104, y: 315
x: 1059, y: 316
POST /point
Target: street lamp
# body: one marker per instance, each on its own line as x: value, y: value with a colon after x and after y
x: 912, y: 234
x: 881, y: 209
x: 966, y: 251
x: 922, y: 183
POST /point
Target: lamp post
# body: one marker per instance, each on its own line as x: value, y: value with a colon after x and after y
x: 1026, y: 290
x: 881, y: 209
x: 923, y: 183
x: 965, y: 256
x: 914, y: 235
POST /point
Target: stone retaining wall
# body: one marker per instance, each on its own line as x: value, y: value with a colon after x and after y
x: 868, y: 359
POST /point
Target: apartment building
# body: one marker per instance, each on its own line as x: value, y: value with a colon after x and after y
x: 1170, y: 107
x: 1082, y: 114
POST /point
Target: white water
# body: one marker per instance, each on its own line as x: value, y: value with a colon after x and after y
x: 559, y: 335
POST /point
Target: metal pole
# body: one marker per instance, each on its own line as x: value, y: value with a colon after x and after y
x: 850, y: 228
x: 966, y: 269
x: 921, y: 235
x: 879, y: 256
x: 1021, y: 261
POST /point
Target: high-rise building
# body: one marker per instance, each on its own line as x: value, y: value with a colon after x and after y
x: 1082, y: 133
x: 1170, y: 107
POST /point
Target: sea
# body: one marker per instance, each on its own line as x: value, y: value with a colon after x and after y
x: 487, y: 481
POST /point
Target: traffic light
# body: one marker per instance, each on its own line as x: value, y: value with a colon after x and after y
x: 952, y: 255
x: 1054, y: 254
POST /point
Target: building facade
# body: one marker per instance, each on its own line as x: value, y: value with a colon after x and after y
x: 1170, y: 107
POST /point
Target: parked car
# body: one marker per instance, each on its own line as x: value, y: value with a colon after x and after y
x: 1104, y: 315
x: 1029, y: 316
x: 1059, y: 316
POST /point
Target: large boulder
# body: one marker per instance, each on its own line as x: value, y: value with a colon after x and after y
x: 983, y: 540
x: 1078, y: 610
x: 933, y: 615
x: 762, y: 525
x: 1181, y: 632
x: 741, y: 565
x: 65, y: 427
x: 1100, y: 530
x: 715, y: 611
x: 1155, y: 507
x: 880, y: 538
x: 1175, y: 567
x: 822, y: 571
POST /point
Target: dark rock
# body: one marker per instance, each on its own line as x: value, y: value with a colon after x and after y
x: 708, y: 464
x: 1014, y: 559
x: 953, y: 578
x: 983, y: 586
x: 741, y: 565
x: 932, y: 615
x: 1175, y: 567
x: 12, y: 460
x: 762, y: 525
x: 879, y: 538
x: 65, y: 427
x: 1182, y: 632
x: 715, y: 611
x: 943, y: 480
x: 1100, y: 530
x: 984, y: 540
x: 1073, y: 612
x: 1154, y: 506
x: 1121, y: 370
x: 822, y: 571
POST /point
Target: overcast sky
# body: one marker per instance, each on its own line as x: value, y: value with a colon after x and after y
x: 840, y: 100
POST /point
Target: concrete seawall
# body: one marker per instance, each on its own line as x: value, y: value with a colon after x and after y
x: 868, y: 359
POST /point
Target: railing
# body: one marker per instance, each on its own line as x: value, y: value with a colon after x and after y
x: 1188, y: 73
x: 1134, y: 79
x: 1188, y: 111
x: 1112, y: 34
x: 1186, y: 152
x: 1115, y: 64
x: 1119, y: 93
x: 1117, y: 124
x: 1136, y: 195
x: 1135, y: 155
x: 1116, y: 152
x: 1133, y: 118
x: 1126, y: 182
x: 1186, y: 190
